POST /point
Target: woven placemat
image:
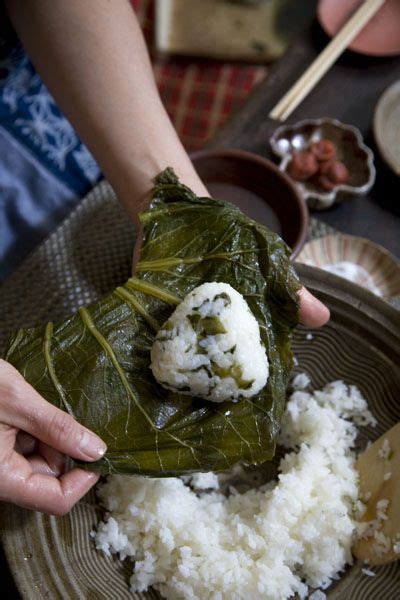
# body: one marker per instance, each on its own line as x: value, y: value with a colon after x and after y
x: 86, y: 257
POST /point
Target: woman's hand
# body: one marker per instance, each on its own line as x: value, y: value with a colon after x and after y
x: 35, y: 436
x: 117, y: 112
x: 313, y: 313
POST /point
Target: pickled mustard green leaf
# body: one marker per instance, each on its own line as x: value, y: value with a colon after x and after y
x: 96, y: 364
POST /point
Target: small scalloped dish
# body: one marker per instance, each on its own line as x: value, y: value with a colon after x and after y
x: 351, y: 150
x: 355, y: 258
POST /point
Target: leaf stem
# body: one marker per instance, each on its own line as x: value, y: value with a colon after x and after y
x: 87, y: 320
x: 162, y: 263
x: 130, y: 299
x: 153, y: 290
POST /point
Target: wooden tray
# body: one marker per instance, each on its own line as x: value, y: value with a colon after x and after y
x: 228, y: 30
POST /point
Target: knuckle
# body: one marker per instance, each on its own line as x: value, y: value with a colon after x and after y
x: 11, y: 384
x: 9, y: 373
x: 61, y: 427
x: 5, y: 367
x: 13, y: 398
x: 55, y: 503
x: 14, y: 389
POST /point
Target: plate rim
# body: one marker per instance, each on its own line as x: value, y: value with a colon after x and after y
x: 378, y: 113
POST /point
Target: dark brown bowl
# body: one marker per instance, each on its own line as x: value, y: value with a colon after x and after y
x: 258, y: 188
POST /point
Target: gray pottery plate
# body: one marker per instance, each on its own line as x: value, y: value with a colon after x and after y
x: 89, y: 254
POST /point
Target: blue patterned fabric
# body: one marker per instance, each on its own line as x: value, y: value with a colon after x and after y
x: 44, y: 167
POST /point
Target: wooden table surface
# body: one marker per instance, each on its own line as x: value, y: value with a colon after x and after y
x: 348, y: 92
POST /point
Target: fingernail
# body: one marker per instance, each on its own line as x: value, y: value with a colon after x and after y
x: 92, y: 445
x: 92, y: 476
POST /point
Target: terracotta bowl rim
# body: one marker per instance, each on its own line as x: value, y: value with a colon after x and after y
x: 265, y: 163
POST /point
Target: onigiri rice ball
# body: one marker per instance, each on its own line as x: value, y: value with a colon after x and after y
x: 211, y: 346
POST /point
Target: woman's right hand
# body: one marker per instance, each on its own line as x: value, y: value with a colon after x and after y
x: 35, y: 436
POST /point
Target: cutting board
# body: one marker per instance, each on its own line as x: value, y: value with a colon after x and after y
x: 252, y: 31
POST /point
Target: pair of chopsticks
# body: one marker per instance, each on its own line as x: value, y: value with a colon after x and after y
x: 325, y: 60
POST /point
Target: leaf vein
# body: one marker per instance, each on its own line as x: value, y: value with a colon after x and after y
x: 48, y: 333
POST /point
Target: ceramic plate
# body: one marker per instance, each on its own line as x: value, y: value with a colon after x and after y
x: 55, y: 558
x: 387, y: 126
x: 246, y: 30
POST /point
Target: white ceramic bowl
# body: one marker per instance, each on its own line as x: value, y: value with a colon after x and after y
x: 376, y: 269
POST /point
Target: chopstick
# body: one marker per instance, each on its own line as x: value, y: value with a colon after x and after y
x: 325, y: 60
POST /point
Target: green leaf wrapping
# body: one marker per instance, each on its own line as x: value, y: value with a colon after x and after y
x: 95, y: 365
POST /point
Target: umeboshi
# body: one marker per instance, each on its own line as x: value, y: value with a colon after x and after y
x: 302, y: 166
x: 323, y: 150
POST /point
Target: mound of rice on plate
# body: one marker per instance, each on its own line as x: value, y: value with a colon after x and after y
x: 268, y: 543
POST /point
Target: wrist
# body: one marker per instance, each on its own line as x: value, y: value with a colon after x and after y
x: 134, y: 187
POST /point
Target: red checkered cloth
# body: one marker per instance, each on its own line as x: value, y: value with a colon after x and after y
x: 198, y: 95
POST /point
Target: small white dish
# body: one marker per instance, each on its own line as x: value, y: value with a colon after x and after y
x: 358, y: 259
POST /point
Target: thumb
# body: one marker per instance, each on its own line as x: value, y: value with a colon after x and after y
x: 313, y: 313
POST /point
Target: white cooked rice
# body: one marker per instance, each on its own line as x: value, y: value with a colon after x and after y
x: 354, y: 272
x: 317, y: 595
x: 368, y: 572
x: 269, y: 543
x: 210, y: 346
x: 301, y: 381
x: 204, y: 481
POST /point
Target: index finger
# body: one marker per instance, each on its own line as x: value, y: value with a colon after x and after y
x: 21, y: 406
